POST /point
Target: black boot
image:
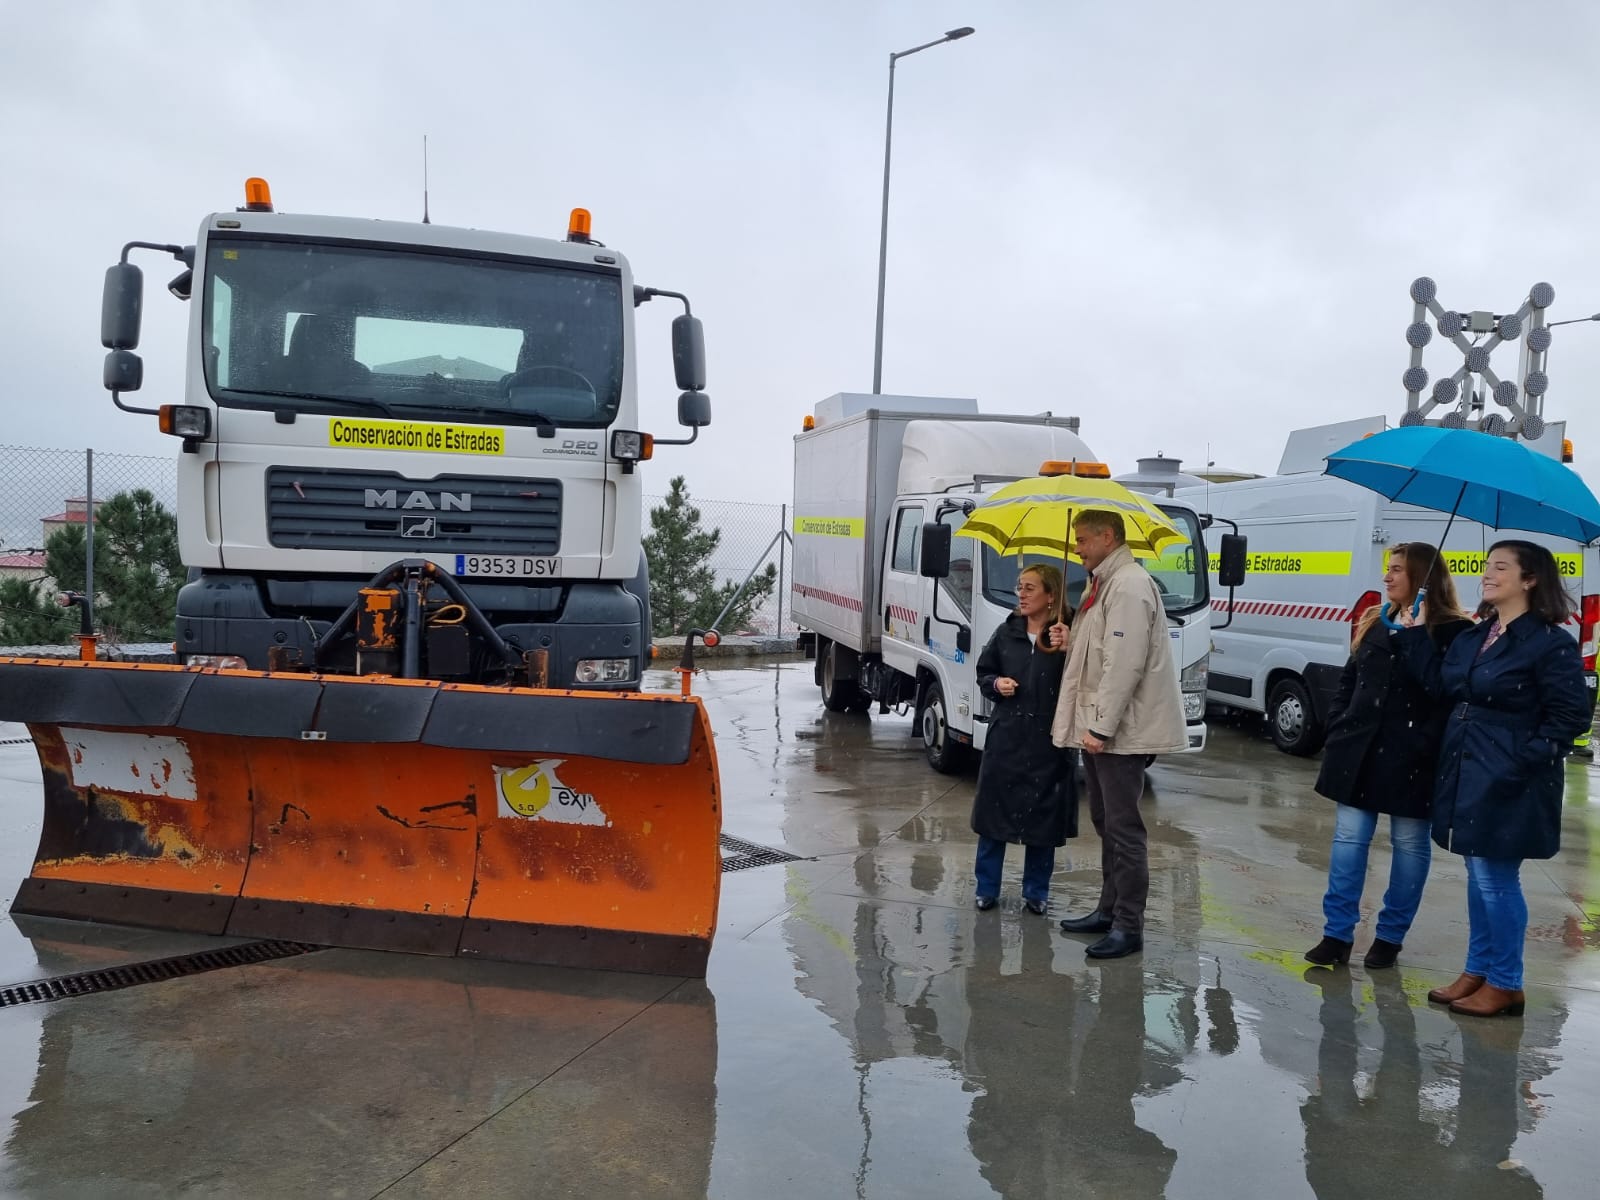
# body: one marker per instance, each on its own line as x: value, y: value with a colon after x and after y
x: 1119, y: 943
x: 1330, y: 952
x: 1095, y: 922
x: 1382, y: 954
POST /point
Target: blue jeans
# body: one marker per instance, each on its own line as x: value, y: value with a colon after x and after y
x: 1038, y: 864
x: 1497, y: 918
x: 1347, y: 872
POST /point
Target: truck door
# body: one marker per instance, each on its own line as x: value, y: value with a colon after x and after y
x: 903, y: 588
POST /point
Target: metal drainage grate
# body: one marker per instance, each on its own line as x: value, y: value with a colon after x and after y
x: 112, y: 979
x: 737, y: 854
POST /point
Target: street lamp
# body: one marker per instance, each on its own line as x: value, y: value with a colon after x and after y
x: 883, y: 232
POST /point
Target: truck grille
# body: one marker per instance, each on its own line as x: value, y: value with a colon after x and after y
x: 319, y: 509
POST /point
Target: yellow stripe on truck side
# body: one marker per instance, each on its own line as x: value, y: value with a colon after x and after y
x: 1470, y: 562
x: 850, y: 527
x: 1332, y: 562
x: 1295, y: 562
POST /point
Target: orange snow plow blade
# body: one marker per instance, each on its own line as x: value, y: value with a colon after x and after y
x: 512, y: 823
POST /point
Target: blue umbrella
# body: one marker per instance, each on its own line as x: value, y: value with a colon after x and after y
x: 1495, y: 481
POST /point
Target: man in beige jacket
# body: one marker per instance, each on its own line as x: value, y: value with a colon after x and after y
x: 1120, y: 703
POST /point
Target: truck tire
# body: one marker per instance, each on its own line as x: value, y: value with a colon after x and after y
x: 1293, y: 721
x: 945, y: 754
x: 839, y: 695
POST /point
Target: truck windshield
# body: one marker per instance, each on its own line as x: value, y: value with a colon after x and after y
x: 312, y: 326
x: 1180, y: 572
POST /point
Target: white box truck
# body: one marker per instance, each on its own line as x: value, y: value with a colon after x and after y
x: 1317, y: 547
x: 869, y: 473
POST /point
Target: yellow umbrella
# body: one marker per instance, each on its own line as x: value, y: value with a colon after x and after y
x: 1034, y: 516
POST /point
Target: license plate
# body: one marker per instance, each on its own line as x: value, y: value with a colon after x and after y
x: 508, y: 566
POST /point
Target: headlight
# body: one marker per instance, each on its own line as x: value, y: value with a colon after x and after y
x: 184, y: 420
x: 603, y: 670
x: 628, y: 445
x: 1194, y: 706
x: 1196, y: 675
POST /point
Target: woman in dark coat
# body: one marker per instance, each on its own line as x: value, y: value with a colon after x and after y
x: 1027, y: 788
x: 1520, y: 700
x: 1382, y: 745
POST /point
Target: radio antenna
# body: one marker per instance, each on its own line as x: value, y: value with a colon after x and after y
x: 425, y: 220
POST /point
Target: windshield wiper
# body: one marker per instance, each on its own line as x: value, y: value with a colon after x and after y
x: 324, y: 398
x: 532, y: 416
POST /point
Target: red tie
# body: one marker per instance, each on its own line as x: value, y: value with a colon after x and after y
x: 1094, y: 590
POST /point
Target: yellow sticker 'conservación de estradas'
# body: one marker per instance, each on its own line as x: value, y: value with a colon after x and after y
x: 426, y: 436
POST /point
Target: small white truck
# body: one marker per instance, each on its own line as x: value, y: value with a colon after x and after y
x: 1317, y: 547
x: 875, y: 477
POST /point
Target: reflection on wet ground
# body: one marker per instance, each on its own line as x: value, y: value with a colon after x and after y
x: 862, y: 1032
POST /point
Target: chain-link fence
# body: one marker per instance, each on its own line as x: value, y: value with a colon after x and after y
x: 752, y: 535
x: 44, y: 491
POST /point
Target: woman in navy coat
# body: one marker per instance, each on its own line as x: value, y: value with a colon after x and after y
x: 1517, y: 685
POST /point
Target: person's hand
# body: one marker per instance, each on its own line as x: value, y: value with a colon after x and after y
x: 1006, y: 685
x: 1092, y: 744
x: 1057, y: 636
x: 1409, y: 620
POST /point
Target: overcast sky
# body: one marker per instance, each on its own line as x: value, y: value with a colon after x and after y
x: 1192, y: 225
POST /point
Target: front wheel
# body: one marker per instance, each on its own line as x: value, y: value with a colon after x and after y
x: 1295, y: 728
x: 945, y: 754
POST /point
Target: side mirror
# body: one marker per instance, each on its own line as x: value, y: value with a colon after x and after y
x: 694, y: 409
x: 964, y: 640
x: 689, y: 353
x: 123, y: 372
x: 120, y: 306
x: 935, y: 550
x: 1235, y: 560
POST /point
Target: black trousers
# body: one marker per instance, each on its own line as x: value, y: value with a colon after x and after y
x: 1116, y: 782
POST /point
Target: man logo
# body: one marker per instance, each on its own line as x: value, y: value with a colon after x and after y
x: 417, y: 527
x: 390, y: 498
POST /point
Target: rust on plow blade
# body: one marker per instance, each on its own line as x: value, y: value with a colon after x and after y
x: 572, y: 828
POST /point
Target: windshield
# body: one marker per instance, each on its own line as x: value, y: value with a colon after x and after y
x: 336, y: 328
x: 1179, y: 572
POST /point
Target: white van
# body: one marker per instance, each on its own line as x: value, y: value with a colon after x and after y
x: 1317, y: 547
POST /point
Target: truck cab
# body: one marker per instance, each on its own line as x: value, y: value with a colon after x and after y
x: 360, y: 392
x: 879, y: 480
x: 940, y: 613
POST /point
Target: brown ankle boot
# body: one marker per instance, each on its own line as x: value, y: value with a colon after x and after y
x: 1459, y: 990
x: 1490, y: 1001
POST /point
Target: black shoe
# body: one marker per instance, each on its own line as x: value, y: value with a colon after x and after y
x: 1095, y: 922
x: 1382, y: 954
x: 1036, y: 907
x: 1329, y: 952
x: 1119, y: 943
x: 985, y: 903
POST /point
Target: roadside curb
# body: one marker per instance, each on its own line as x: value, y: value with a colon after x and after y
x: 669, y: 649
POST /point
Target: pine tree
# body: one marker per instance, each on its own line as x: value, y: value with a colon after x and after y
x: 684, y: 593
x: 28, y: 618
x: 137, y: 568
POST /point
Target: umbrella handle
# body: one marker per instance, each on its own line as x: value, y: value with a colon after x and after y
x: 1416, y: 607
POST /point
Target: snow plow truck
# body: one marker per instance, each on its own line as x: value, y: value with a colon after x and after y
x: 407, y: 709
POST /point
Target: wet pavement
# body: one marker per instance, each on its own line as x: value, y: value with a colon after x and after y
x: 862, y: 1030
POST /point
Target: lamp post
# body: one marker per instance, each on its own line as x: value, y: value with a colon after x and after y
x: 883, y: 232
